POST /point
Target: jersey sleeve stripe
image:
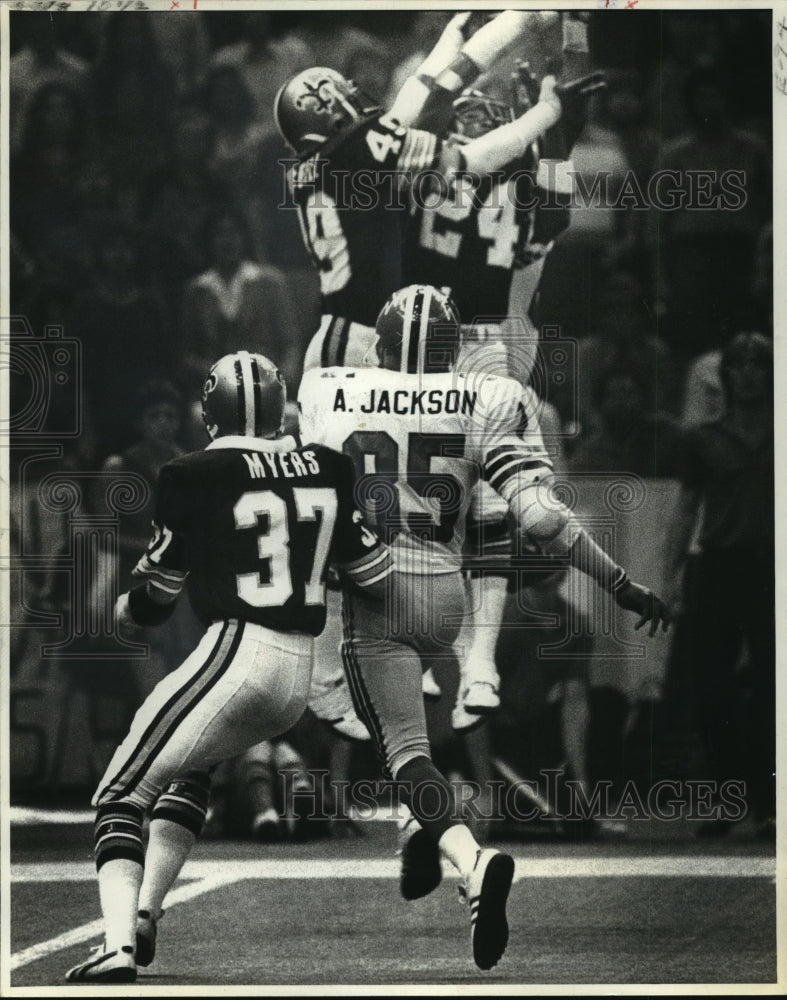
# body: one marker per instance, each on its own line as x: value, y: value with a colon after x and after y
x: 498, y: 479
x: 166, y: 588
x: 325, y: 349
x: 366, y: 572
x: 341, y: 347
x: 147, y: 568
x: 494, y: 465
x: 377, y: 555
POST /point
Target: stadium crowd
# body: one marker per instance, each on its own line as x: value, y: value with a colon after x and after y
x: 150, y: 219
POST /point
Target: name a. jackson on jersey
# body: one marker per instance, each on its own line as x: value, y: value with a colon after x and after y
x: 409, y: 401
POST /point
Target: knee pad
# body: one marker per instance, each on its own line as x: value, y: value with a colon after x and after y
x: 185, y: 802
x: 118, y: 833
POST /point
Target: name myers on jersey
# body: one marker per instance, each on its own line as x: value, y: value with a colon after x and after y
x: 409, y: 401
x: 281, y: 465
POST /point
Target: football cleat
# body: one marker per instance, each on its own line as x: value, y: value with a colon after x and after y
x: 463, y: 721
x: 105, y: 967
x: 147, y: 929
x: 332, y: 703
x: 481, y: 698
x: 421, y: 871
x: 266, y: 826
x: 431, y: 689
x: 486, y: 892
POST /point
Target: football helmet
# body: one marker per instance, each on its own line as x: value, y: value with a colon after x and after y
x: 244, y: 394
x: 476, y: 113
x: 419, y: 328
x: 317, y: 104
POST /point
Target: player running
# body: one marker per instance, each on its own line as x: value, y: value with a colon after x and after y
x: 249, y: 526
x: 421, y: 436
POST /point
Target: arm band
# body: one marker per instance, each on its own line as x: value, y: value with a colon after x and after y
x: 144, y: 610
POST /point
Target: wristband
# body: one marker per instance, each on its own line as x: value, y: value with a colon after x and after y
x: 144, y: 610
x: 458, y: 75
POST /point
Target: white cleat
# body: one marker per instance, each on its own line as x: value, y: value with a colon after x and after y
x: 463, y: 721
x: 332, y: 703
x: 105, y: 967
x: 431, y: 689
x: 266, y: 826
x: 481, y: 698
x: 486, y: 892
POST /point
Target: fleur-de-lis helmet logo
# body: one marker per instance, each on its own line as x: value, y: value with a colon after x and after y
x: 319, y: 96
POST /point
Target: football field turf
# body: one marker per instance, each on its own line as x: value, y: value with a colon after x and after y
x: 651, y: 908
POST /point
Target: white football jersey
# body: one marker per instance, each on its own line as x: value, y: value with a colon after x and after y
x: 419, y: 444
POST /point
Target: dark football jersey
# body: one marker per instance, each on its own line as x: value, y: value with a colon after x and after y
x: 252, y: 530
x: 471, y: 239
x: 351, y: 212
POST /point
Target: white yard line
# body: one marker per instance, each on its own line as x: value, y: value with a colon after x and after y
x: 87, y: 932
x: 210, y: 875
x: 689, y: 866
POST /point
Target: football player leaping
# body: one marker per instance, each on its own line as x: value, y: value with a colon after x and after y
x: 420, y: 436
x: 248, y: 525
x: 352, y: 161
x: 487, y: 239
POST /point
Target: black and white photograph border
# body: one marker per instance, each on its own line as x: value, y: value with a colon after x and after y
x: 524, y: 736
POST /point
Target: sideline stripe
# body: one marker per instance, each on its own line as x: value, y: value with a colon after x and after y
x: 87, y: 932
x: 237, y: 869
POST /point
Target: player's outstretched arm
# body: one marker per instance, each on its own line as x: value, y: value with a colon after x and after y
x: 509, y: 142
x: 409, y: 102
x: 439, y: 85
x: 553, y: 527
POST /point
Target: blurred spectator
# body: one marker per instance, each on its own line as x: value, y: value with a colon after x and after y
x: 598, y: 230
x: 334, y: 37
x: 704, y: 396
x: 39, y: 61
x: 630, y: 435
x: 184, y: 48
x: 120, y: 323
x: 425, y: 29
x: 728, y: 472
x: 175, y: 208
x: 236, y: 304
x: 157, y: 417
x: 134, y: 95
x: 266, y: 57
x: 623, y: 335
x: 692, y: 40
x: 50, y: 208
x: 368, y: 64
x: 238, y: 138
x: 703, y: 248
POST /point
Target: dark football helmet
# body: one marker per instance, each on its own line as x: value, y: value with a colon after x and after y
x: 418, y: 330
x: 476, y: 113
x: 244, y: 394
x: 317, y: 104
